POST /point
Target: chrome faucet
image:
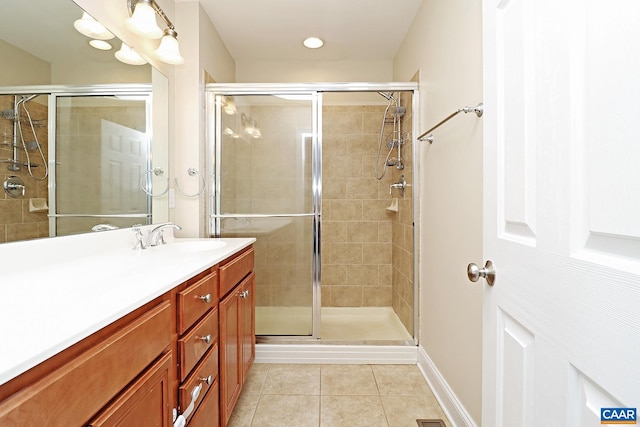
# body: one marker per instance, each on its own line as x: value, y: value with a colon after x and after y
x: 139, y: 238
x: 156, y: 235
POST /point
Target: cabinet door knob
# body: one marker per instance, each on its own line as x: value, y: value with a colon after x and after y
x: 206, y: 298
x: 208, y: 380
x: 206, y: 339
x: 244, y: 294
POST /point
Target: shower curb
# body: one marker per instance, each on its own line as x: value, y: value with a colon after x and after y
x: 336, y: 354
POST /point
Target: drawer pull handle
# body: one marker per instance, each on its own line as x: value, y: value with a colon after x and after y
x: 206, y: 298
x: 244, y: 294
x: 208, y: 380
x: 206, y: 339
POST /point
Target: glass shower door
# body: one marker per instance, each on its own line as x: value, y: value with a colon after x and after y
x: 266, y: 174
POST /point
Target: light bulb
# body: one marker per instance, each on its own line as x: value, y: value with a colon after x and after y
x: 313, y: 42
x: 143, y: 21
x: 169, y: 50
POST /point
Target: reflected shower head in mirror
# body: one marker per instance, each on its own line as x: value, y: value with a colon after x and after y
x: 387, y: 95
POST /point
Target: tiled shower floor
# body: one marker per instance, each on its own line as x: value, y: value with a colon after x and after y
x: 337, y: 323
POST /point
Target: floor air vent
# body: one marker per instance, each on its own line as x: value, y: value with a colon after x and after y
x: 431, y: 423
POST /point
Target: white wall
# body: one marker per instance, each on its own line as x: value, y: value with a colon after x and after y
x: 22, y: 68
x: 203, y: 50
x: 445, y: 44
x: 248, y: 71
x: 101, y: 72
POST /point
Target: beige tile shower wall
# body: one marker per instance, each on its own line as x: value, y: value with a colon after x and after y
x: 16, y: 221
x: 356, y: 227
x: 402, y: 228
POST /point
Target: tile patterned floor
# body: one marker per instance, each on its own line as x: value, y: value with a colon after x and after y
x: 279, y: 395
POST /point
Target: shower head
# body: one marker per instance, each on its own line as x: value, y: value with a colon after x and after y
x: 28, y: 98
x: 24, y: 99
x: 387, y: 95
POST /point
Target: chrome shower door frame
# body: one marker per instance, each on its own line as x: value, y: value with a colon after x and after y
x: 214, y: 216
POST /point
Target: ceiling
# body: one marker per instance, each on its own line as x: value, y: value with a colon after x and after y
x: 274, y: 29
x: 44, y: 28
x: 251, y: 29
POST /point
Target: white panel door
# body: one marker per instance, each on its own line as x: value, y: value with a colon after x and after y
x: 123, y: 161
x: 562, y: 210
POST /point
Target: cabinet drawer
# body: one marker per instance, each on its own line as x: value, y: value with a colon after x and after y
x: 145, y: 403
x: 196, y: 300
x: 235, y: 270
x: 204, y: 375
x: 195, y: 344
x: 88, y: 382
x: 208, y: 414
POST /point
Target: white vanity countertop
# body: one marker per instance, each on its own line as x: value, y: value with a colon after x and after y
x: 55, y: 292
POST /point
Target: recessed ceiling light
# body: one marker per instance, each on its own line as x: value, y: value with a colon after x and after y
x: 313, y: 42
x: 100, y: 44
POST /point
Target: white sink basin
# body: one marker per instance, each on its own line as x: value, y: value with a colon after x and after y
x: 197, y: 245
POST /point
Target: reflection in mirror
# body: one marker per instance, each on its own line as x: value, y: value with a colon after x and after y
x: 101, y: 153
x: 41, y: 50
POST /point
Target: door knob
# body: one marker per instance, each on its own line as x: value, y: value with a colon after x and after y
x: 488, y: 272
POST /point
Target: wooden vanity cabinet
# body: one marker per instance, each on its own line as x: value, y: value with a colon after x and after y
x: 187, y: 351
x: 110, y: 369
x: 237, y: 329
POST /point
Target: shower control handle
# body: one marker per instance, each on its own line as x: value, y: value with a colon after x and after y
x: 14, y: 186
x: 401, y: 184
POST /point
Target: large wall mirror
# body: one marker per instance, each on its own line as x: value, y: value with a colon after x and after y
x: 83, y: 136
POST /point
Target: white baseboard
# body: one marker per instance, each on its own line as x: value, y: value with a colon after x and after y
x: 452, y: 407
x: 336, y: 354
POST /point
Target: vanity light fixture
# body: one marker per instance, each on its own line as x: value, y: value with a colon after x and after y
x: 92, y: 28
x: 143, y: 19
x: 128, y: 55
x: 313, y: 42
x: 169, y: 51
x: 100, y: 44
x: 142, y: 22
